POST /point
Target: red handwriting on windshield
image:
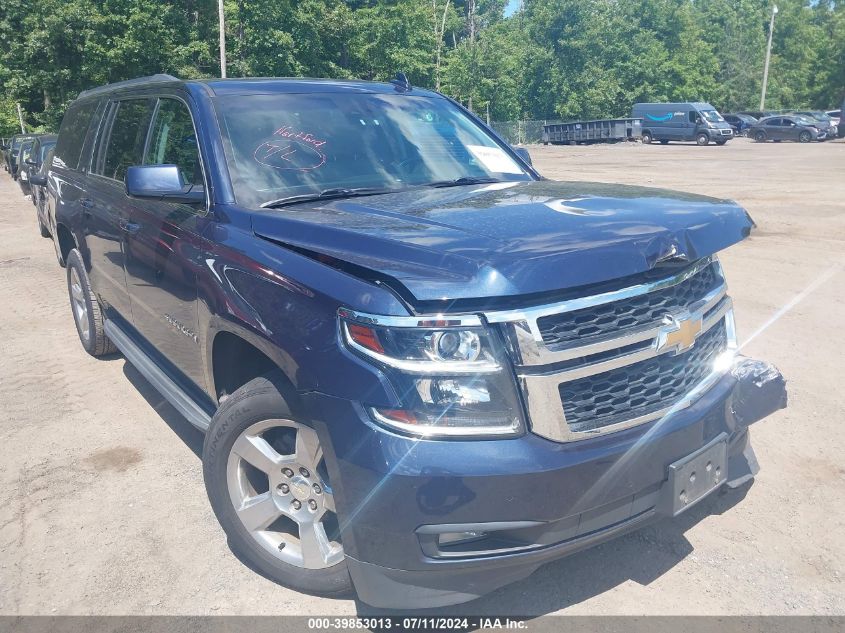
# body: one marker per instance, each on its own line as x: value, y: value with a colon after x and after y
x: 291, y: 149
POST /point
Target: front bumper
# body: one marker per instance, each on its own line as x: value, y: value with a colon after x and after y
x: 537, y: 500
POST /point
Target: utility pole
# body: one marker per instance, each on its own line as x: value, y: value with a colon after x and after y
x: 768, y: 57
x: 20, y: 118
x: 222, y: 39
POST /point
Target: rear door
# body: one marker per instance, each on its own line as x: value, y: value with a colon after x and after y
x: 165, y: 250
x: 791, y: 129
x: 106, y: 211
x: 774, y: 129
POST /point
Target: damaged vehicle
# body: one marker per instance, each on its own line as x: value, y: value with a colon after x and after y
x: 422, y: 369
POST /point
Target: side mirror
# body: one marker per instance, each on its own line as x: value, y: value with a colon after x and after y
x: 523, y: 154
x: 38, y: 180
x: 29, y: 161
x: 161, y: 182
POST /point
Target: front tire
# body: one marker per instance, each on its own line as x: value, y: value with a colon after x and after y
x: 87, y: 313
x: 702, y: 139
x: 267, y: 482
x: 647, y: 138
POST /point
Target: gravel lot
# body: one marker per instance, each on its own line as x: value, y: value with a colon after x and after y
x: 102, y: 505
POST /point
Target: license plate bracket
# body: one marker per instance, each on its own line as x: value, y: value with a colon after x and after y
x: 695, y: 476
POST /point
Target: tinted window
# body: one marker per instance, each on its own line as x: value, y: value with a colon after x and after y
x: 173, y: 142
x: 128, y: 131
x: 72, y: 134
x: 773, y: 122
x: 44, y: 148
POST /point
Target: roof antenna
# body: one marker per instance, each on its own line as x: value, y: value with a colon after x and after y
x: 401, y: 83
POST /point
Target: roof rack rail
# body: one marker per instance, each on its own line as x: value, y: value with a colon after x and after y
x: 161, y: 77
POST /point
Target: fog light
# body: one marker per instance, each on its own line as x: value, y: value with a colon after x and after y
x: 453, y: 538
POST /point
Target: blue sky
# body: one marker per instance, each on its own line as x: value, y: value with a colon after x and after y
x: 511, y: 7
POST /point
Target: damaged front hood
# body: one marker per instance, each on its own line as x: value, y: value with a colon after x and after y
x: 506, y: 239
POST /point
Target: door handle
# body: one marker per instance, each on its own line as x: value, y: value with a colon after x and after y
x: 129, y: 227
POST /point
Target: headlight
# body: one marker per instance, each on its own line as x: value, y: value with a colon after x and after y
x: 449, y: 374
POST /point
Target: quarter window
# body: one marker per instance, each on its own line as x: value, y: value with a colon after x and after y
x: 173, y: 142
x: 127, y: 135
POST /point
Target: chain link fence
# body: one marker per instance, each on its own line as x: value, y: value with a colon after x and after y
x: 522, y: 132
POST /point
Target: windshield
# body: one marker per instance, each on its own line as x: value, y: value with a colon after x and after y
x: 286, y: 145
x: 712, y: 116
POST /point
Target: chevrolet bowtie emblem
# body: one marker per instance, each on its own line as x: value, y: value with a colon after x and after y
x: 679, y: 333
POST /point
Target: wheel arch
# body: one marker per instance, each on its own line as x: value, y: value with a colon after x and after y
x: 65, y: 242
x: 236, y: 356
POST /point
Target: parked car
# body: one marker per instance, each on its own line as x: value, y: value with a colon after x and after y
x: 20, y: 163
x: 740, y: 123
x: 835, y: 117
x: 38, y: 183
x: 785, y: 128
x: 11, y: 155
x: 759, y: 114
x: 699, y: 122
x: 422, y: 370
x: 821, y: 120
x: 32, y: 159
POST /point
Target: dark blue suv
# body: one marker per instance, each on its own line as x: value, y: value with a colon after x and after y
x: 423, y: 370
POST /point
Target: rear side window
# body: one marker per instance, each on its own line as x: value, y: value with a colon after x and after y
x: 126, y: 137
x: 173, y: 142
x: 72, y: 134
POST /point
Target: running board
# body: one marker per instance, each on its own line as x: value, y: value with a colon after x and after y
x: 157, y: 377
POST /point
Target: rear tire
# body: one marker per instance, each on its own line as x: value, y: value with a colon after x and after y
x: 86, y: 309
x: 805, y: 137
x: 266, y: 479
x: 702, y: 139
x: 664, y: 142
x: 43, y: 229
x: 760, y: 136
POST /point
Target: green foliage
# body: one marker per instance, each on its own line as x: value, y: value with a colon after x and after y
x: 553, y: 58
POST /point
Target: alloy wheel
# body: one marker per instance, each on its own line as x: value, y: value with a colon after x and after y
x: 79, y: 305
x: 279, y: 488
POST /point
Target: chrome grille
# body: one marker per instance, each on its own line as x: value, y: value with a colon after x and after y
x: 636, y: 390
x: 578, y: 327
x: 629, y: 361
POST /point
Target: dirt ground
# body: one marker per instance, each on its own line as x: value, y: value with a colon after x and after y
x: 102, y: 505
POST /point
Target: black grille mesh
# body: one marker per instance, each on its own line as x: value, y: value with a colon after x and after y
x: 641, y: 388
x: 580, y: 327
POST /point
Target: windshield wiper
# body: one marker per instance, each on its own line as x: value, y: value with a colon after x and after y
x: 464, y: 180
x: 326, y: 194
